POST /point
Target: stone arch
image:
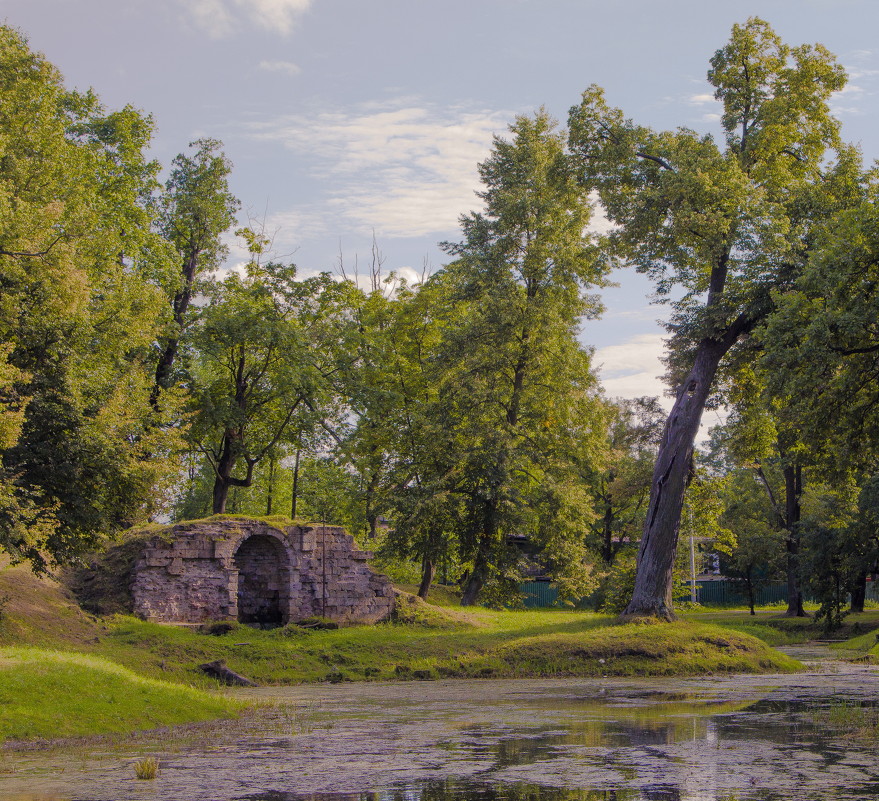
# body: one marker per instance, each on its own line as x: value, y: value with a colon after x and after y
x: 263, y: 567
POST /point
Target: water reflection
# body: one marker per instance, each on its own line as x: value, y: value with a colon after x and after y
x: 461, y: 791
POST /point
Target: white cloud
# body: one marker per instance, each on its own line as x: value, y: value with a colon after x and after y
x: 701, y: 98
x: 280, y: 66
x: 221, y: 17
x: 598, y: 222
x: 212, y: 16
x: 274, y: 15
x: 633, y: 368
x: 397, y: 169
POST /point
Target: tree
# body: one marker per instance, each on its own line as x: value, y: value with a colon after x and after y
x: 517, y: 397
x: 754, y: 558
x: 828, y: 322
x: 621, y: 485
x: 195, y: 210
x: 729, y: 227
x: 761, y: 435
x: 80, y: 307
x: 831, y: 553
x: 391, y: 390
x: 254, y: 367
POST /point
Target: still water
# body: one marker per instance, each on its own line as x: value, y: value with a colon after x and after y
x: 751, y: 738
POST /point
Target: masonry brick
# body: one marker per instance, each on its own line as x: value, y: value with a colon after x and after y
x: 258, y: 573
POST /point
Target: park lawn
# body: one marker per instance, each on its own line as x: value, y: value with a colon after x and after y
x: 53, y: 694
x: 483, y: 643
x: 771, y: 626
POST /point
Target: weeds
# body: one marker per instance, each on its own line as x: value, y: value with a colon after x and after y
x: 851, y: 717
x: 147, y: 768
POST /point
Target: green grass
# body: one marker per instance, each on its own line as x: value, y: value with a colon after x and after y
x: 128, y: 675
x: 53, y: 694
x: 774, y: 628
x: 476, y: 644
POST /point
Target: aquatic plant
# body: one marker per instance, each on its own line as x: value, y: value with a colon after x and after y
x: 147, y: 768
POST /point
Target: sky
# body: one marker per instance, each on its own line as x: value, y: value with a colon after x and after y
x: 352, y: 119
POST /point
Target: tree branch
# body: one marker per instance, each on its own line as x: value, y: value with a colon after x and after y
x: 26, y: 255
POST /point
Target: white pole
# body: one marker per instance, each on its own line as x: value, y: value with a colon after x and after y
x: 692, y: 561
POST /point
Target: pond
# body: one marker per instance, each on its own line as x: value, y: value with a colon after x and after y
x: 718, y: 737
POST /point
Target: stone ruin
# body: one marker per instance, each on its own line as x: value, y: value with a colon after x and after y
x: 257, y: 573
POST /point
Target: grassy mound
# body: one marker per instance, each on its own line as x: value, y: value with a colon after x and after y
x: 50, y: 694
x: 645, y: 649
x: 486, y: 644
x: 774, y: 628
x: 37, y: 610
x: 863, y: 647
x: 409, y: 608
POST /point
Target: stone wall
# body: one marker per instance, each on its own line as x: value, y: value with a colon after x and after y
x: 249, y: 570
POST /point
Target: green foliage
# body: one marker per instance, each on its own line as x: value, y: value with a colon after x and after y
x: 755, y: 555
x: 728, y: 228
x: 81, y: 277
x: 621, y: 482
x: 195, y: 209
x: 517, y: 405
x: 254, y: 368
x: 615, y: 588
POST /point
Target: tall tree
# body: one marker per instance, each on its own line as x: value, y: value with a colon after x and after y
x: 517, y: 388
x: 80, y: 307
x: 728, y: 227
x: 196, y: 209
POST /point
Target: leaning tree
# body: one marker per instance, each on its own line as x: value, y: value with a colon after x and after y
x: 723, y: 229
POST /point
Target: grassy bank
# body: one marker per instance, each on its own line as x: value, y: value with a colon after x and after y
x: 51, y: 694
x: 66, y: 673
x: 771, y: 626
x: 472, y: 645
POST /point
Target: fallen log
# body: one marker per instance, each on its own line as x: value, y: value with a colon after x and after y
x: 219, y: 671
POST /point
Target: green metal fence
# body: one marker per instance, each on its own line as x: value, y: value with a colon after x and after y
x: 544, y: 595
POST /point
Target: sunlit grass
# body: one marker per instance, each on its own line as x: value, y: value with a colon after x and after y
x: 483, y: 644
x: 51, y: 694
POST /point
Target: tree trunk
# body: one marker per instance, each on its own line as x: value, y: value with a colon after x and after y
x: 793, y: 489
x: 475, y: 581
x: 859, y: 593
x: 222, y: 476
x: 295, y: 485
x: 481, y: 564
x: 271, y: 486
x: 163, y: 371
x: 180, y: 304
x: 749, y: 583
x: 653, y: 577
x: 428, y: 571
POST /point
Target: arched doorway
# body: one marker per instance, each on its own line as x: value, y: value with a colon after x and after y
x: 263, y: 576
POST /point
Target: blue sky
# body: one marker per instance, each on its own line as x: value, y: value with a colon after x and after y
x: 348, y: 117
